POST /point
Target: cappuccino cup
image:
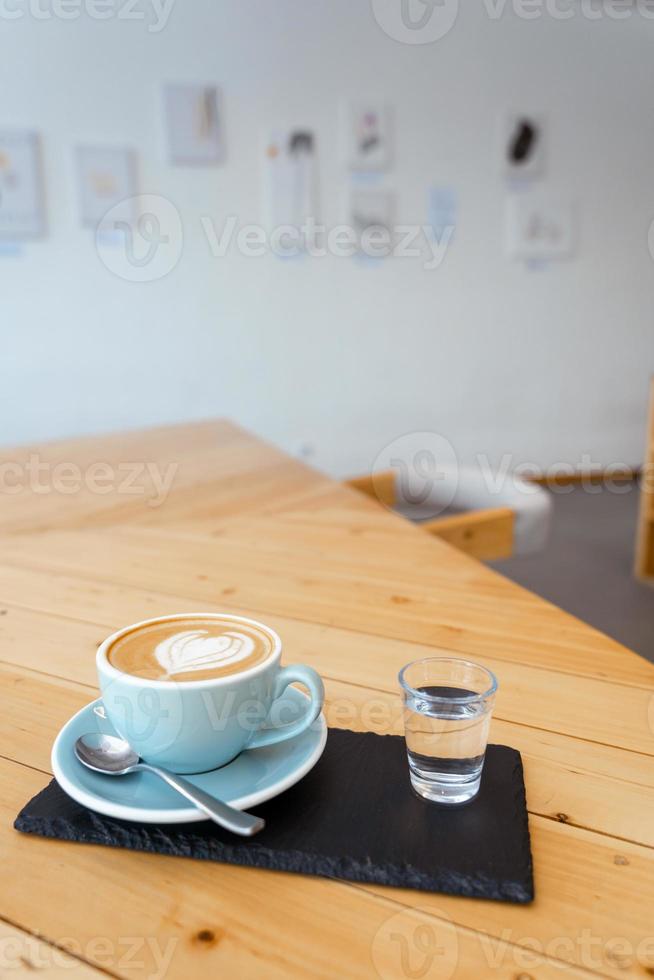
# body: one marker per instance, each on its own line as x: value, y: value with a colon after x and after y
x: 191, y: 691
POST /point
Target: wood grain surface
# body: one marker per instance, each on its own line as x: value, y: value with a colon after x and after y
x: 356, y: 591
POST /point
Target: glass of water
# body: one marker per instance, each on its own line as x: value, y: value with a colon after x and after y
x: 447, y: 712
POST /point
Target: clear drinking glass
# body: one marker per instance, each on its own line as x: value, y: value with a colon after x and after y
x: 447, y: 712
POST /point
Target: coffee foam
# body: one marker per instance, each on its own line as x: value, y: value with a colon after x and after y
x: 190, y: 649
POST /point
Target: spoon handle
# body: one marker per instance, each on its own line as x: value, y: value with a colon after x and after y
x: 238, y: 821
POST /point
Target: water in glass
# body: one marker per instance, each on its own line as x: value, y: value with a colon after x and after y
x: 446, y: 728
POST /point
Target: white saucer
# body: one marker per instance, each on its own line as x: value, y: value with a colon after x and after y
x: 254, y: 777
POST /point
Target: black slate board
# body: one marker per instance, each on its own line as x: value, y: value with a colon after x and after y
x: 354, y: 816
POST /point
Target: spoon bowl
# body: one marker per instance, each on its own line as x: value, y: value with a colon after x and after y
x: 106, y: 753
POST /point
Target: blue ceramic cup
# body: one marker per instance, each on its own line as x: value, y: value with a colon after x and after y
x: 195, y: 726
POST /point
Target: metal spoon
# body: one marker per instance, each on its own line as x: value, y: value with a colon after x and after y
x: 113, y: 756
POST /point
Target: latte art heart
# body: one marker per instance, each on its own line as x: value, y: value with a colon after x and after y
x: 197, y: 650
x: 191, y: 648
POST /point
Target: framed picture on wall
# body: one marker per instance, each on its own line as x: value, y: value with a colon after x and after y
x: 194, y: 125
x: 371, y: 215
x: 107, y: 180
x: 539, y: 226
x: 290, y: 177
x: 22, y: 203
x: 524, y: 144
x: 368, y: 137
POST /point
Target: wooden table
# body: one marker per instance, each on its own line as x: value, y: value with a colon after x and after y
x: 357, y: 592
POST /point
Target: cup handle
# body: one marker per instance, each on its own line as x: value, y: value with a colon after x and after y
x: 288, y: 675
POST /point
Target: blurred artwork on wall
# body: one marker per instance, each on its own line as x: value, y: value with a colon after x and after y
x: 539, y: 226
x: 107, y: 182
x: 291, y: 180
x: 523, y: 145
x: 368, y: 137
x: 194, y: 125
x: 22, y: 204
x: 371, y: 217
x: 442, y: 209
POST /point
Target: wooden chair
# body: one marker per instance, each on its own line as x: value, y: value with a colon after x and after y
x: 645, y: 535
x: 518, y: 524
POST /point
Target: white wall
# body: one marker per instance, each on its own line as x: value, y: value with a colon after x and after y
x: 545, y: 364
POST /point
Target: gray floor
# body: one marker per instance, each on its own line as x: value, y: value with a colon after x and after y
x: 587, y: 567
